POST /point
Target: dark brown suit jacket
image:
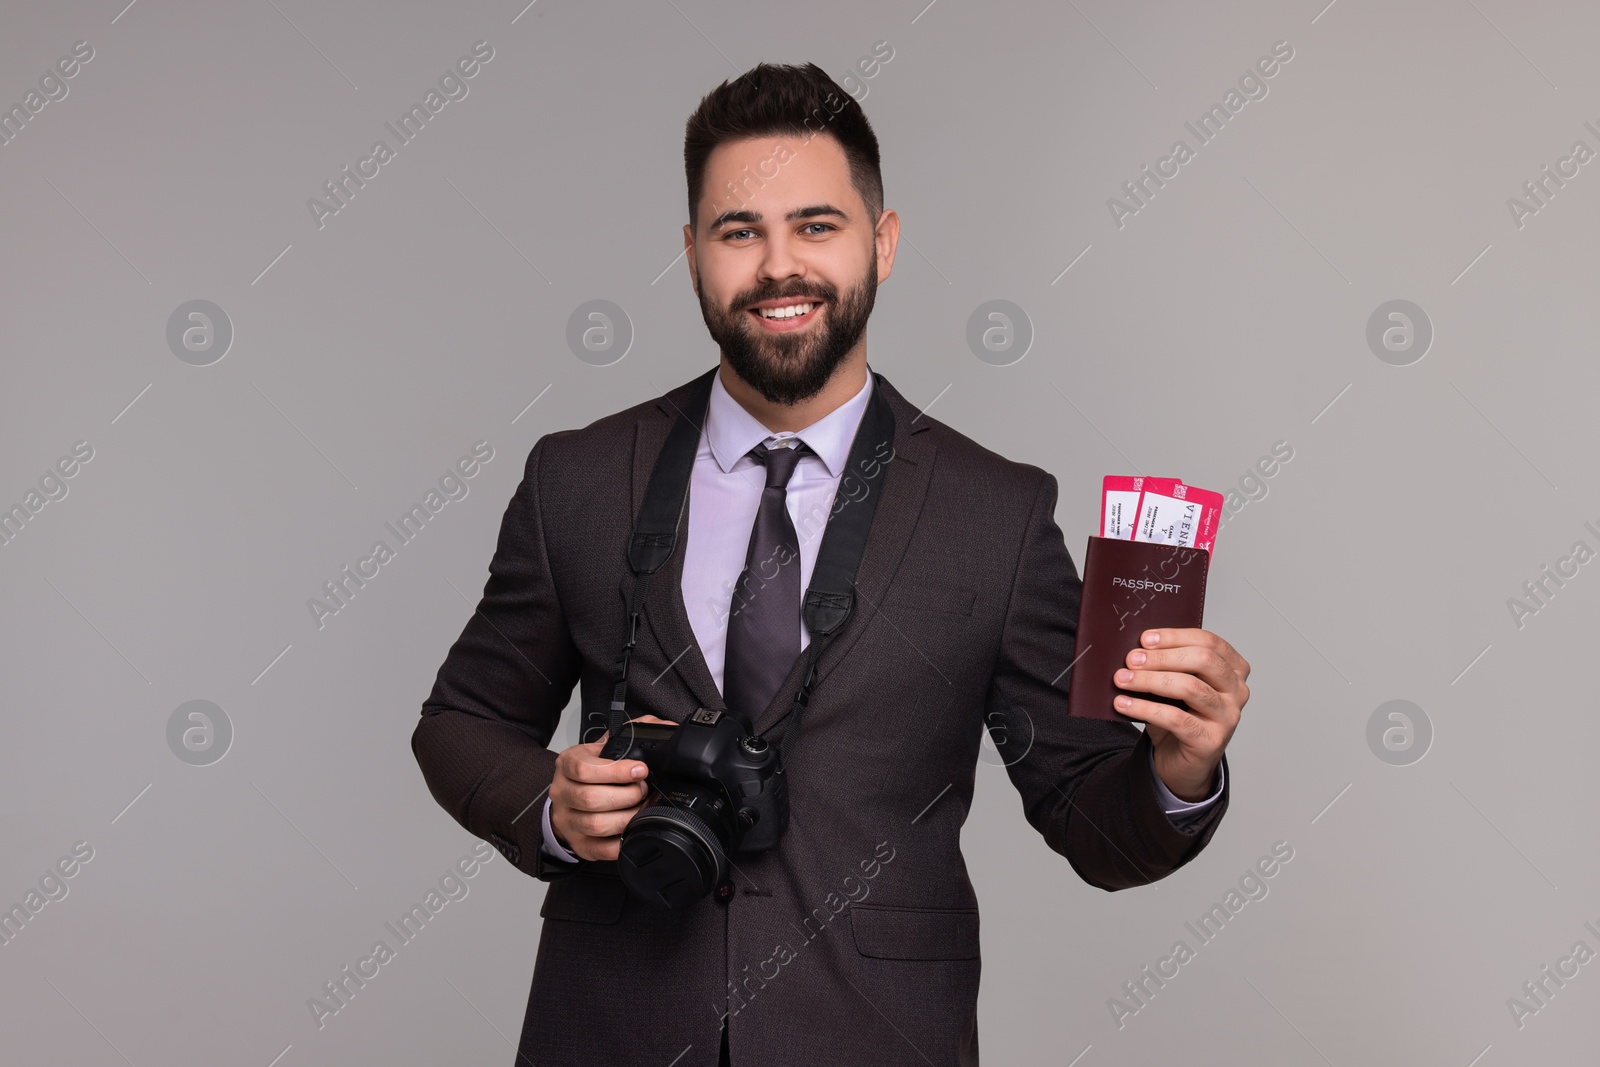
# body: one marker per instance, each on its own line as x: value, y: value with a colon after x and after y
x: 856, y: 940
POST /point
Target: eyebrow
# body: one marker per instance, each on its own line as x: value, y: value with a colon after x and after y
x: 747, y: 217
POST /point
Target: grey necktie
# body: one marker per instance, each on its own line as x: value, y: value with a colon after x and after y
x: 764, y: 616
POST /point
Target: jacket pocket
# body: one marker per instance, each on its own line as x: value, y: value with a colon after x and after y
x: 892, y: 933
x: 929, y: 596
x: 585, y: 898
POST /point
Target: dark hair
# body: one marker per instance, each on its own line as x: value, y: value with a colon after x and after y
x: 782, y: 99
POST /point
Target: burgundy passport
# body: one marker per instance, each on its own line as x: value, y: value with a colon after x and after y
x: 1128, y: 588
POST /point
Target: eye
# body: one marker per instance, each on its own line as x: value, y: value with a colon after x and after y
x: 734, y: 233
x: 824, y: 225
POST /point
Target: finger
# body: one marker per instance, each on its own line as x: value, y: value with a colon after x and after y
x: 583, y: 797
x: 1176, y: 637
x: 1200, y: 698
x: 1198, y: 660
x: 585, y: 845
x: 600, y: 823
x: 592, y: 767
x: 597, y: 849
x: 1192, y: 730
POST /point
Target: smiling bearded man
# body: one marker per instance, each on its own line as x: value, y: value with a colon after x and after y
x: 854, y: 670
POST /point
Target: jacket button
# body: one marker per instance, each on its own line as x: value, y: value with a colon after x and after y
x: 724, y: 892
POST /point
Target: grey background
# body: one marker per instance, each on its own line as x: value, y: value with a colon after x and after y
x: 1230, y: 313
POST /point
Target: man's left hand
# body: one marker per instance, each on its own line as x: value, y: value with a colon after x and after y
x: 1202, y: 670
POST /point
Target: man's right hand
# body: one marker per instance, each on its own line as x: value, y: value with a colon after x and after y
x: 593, y: 798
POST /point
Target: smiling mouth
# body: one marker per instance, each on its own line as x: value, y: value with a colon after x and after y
x: 789, y: 317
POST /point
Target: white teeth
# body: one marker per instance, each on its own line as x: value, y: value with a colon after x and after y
x: 785, y: 312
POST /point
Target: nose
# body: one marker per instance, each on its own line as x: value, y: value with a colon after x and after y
x: 779, y: 258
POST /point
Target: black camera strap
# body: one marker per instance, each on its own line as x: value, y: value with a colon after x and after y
x: 830, y: 598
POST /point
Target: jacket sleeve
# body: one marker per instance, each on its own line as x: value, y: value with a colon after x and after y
x: 1087, y: 785
x: 482, y: 740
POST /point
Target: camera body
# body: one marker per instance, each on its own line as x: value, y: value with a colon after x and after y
x: 716, y: 790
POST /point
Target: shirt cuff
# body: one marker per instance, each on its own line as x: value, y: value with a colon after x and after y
x: 554, y: 848
x: 1182, y: 812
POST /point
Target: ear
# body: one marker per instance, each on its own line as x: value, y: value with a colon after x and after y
x: 886, y: 239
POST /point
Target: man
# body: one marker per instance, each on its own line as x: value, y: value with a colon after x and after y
x: 855, y: 939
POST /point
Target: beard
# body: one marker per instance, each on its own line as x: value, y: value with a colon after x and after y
x: 788, y: 368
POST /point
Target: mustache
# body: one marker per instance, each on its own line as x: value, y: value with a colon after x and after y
x: 751, y: 300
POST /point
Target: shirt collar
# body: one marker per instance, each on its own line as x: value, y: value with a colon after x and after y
x: 733, y: 432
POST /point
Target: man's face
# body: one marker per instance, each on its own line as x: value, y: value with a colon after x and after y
x: 791, y: 231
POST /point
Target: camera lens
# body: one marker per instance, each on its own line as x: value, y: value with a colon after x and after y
x: 670, y: 855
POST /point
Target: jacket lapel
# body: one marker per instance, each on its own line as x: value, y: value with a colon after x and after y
x: 905, y: 486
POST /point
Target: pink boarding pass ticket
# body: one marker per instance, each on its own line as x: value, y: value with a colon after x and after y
x: 1119, y: 504
x: 1170, y: 512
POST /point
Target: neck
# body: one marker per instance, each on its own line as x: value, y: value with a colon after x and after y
x: 846, y: 382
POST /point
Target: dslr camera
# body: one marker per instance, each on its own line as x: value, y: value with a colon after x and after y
x: 717, y: 790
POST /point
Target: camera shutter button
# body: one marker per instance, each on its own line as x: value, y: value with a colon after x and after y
x: 753, y: 745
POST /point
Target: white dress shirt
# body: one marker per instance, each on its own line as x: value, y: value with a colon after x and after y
x: 724, y: 495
